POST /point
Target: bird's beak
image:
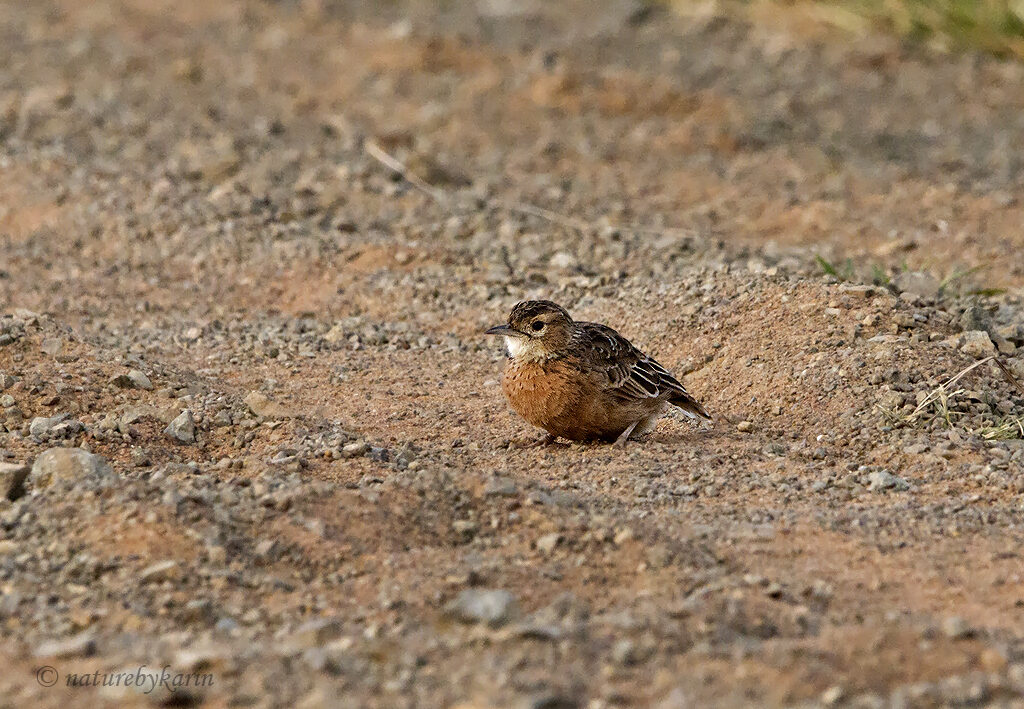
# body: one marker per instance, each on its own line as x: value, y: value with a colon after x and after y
x: 504, y: 330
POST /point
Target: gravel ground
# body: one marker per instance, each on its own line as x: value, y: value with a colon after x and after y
x: 250, y: 429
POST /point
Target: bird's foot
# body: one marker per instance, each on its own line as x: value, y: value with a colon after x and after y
x: 544, y: 441
x: 541, y: 442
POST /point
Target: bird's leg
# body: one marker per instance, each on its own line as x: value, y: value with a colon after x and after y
x: 624, y: 436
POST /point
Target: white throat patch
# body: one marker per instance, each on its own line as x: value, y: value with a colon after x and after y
x: 525, y: 349
x: 515, y: 345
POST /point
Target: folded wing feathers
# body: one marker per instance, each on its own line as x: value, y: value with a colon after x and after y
x: 631, y: 373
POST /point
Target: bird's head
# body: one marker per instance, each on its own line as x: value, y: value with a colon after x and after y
x: 536, y: 330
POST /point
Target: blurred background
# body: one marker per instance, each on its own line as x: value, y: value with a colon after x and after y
x: 876, y: 136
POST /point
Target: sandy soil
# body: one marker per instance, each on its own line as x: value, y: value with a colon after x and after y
x: 192, y: 194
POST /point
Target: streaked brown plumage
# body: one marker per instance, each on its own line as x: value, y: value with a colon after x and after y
x: 581, y: 380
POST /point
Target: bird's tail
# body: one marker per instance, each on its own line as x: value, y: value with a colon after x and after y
x: 689, y: 405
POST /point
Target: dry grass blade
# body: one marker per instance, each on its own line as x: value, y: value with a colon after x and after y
x: 375, y: 151
x: 941, y: 393
x: 1008, y: 430
x: 547, y: 214
x: 1009, y: 376
x: 378, y: 153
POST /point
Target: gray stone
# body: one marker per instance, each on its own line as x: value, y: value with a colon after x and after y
x: 1013, y: 332
x: 919, y: 283
x: 12, y: 480
x: 861, y: 291
x: 226, y: 625
x: 133, y: 380
x: 42, y: 427
x: 884, y: 480
x: 493, y: 607
x: 975, y: 318
x: 66, y: 429
x: 52, y: 346
x: 977, y: 344
x: 183, y: 428
x: 66, y: 464
x: 356, y: 449
x: 501, y: 487
x: 1016, y: 367
x: 140, y: 457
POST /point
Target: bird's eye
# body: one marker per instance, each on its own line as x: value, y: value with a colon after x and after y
x: 537, y: 326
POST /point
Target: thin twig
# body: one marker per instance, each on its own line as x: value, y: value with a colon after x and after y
x: 1009, y: 375
x: 555, y: 217
x: 377, y: 153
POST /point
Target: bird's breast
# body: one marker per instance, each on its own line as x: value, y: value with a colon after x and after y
x: 542, y: 392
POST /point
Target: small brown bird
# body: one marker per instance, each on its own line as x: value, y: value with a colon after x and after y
x: 581, y: 380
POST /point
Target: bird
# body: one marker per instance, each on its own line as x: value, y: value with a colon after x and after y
x: 583, y: 381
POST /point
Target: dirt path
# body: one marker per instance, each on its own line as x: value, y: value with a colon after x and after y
x: 186, y: 191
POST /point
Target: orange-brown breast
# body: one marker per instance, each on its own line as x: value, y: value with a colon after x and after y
x: 563, y: 400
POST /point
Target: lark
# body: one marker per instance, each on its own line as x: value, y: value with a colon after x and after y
x: 584, y: 381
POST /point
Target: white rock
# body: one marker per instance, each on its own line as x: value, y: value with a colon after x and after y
x: 547, y: 543
x: 80, y: 645
x: 476, y: 605
x: 563, y: 261
x: 160, y: 571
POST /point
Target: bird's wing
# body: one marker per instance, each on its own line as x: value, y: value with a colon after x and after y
x: 631, y: 375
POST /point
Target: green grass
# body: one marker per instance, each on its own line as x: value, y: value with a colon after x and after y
x: 995, y: 26
x: 1009, y: 429
x: 847, y: 273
